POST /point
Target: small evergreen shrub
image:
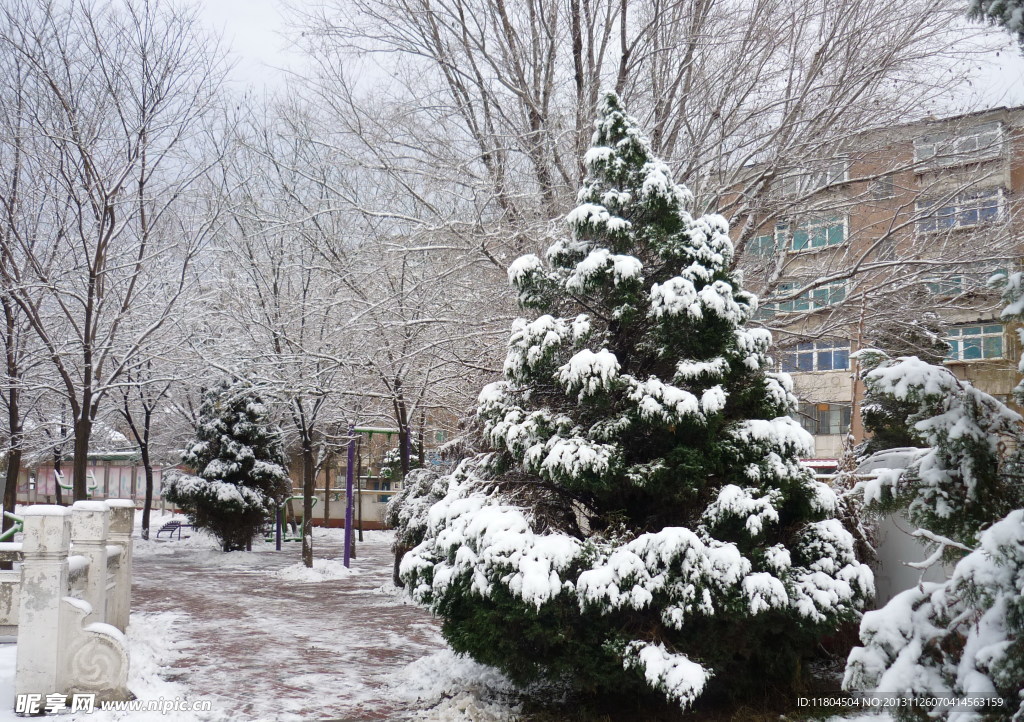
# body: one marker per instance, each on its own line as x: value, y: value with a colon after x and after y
x: 239, y: 463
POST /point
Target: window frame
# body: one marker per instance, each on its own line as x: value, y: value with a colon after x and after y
x: 792, y: 358
x: 943, y: 149
x: 816, y: 223
x: 813, y: 300
x: 957, y: 348
x: 806, y: 180
x: 882, y: 187
x: 955, y: 208
x: 965, y: 279
x: 809, y: 415
x: 778, y: 238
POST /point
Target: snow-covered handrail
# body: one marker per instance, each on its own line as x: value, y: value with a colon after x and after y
x: 69, y: 644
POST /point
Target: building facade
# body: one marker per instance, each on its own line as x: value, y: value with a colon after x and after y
x: 890, y: 244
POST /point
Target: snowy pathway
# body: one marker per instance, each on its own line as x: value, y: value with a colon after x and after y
x: 261, y: 647
x: 244, y: 632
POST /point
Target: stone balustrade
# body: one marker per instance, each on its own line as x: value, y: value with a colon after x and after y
x: 70, y: 601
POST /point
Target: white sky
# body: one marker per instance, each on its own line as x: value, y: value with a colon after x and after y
x: 1002, y: 83
x: 255, y: 31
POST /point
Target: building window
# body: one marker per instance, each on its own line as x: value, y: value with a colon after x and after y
x: 942, y: 150
x: 968, y: 277
x: 965, y: 210
x: 822, y: 419
x: 947, y: 286
x: 827, y: 295
x: 818, y: 233
x: 882, y: 187
x: 769, y: 244
x: 817, y: 356
x: 763, y: 245
x: 803, y: 181
x: 967, y: 343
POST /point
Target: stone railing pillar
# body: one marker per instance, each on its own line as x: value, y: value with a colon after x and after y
x: 90, y: 524
x: 122, y: 522
x: 44, y: 583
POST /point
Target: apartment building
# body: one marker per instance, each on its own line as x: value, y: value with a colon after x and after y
x: 889, y: 243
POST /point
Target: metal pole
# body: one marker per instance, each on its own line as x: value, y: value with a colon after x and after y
x: 278, y: 521
x: 348, y: 491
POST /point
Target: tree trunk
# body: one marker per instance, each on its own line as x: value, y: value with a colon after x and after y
x: 13, y: 422
x: 11, y: 489
x: 11, y: 483
x: 400, y: 551
x: 402, y: 418
x: 148, y: 467
x: 421, y: 453
x: 57, y: 468
x: 83, y: 430
x: 308, y: 481
x: 403, y: 441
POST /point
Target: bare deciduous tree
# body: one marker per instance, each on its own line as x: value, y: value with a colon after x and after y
x: 114, y: 95
x: 489, y: 103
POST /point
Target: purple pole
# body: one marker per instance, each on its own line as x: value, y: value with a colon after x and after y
x: 349, y: 474
x: 407, y: 451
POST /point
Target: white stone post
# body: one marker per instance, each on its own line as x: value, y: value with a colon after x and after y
x: 90, y: 524
x: 44, y: 582
x: 122, y: 522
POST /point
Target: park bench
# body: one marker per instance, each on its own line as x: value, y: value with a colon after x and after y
x: 171, y: 527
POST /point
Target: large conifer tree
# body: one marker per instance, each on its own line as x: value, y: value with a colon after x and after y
x: 239, y: 463
x: 642, y: 519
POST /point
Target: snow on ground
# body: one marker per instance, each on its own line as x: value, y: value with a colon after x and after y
x: 8, y: 654
x: 154, y: 649
x: 263, y: 638
x: 323, y: 570
x: 447, y: 686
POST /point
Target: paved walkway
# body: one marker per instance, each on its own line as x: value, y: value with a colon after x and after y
x: 262, y: 648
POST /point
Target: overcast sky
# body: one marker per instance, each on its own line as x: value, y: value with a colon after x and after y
x: 254, y: 30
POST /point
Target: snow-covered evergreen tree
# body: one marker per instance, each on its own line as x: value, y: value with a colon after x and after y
x: 885, y: 417
x: 641, y: 520
x: 956, y: 487
x: 961, y: 640
x: 391, y: 462
x: 1007, y: 13
x: 408, y: 511
x: 239, y: 463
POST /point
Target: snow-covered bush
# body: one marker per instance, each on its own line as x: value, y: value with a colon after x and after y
x: 960, y: 640
x: 641, y: 522
x: 956, y: 487
x: 391, y: 462
x: 239, y: 466
x: 407, y: 510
